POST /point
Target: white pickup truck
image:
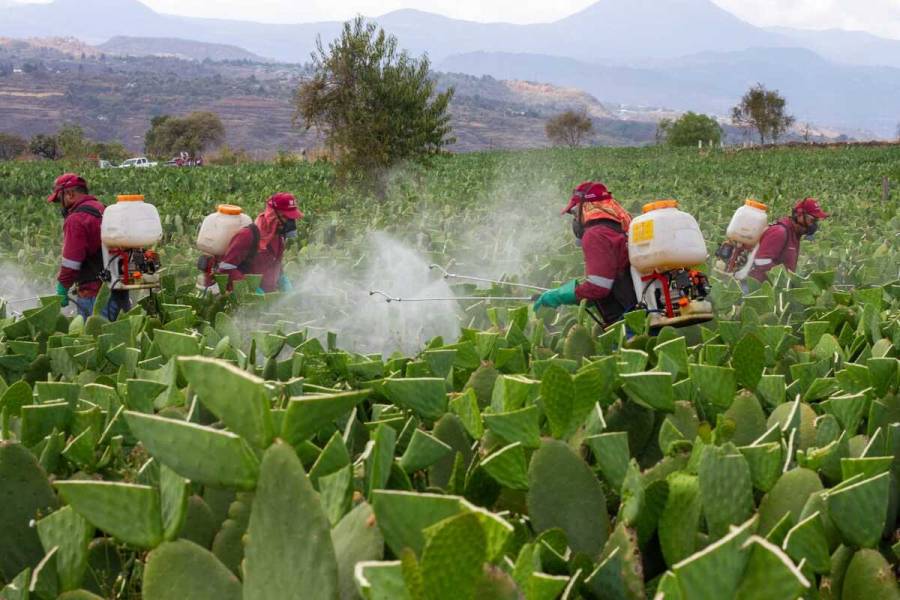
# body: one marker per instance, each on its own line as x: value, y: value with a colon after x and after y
x: 138, y: 163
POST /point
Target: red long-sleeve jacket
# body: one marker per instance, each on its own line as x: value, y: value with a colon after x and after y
x: 81, y: 245
x: 267, y: 262
x: 605, y: 258
x: 779, y: 245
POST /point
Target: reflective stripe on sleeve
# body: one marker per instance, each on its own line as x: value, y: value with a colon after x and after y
x: 602, y: 282
x: 762, y: 262
x: 227, y: 267
x: 71, y: 264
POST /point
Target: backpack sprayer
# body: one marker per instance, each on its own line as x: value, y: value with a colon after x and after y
x: 129, y: 230
x: 216, y: 233
x: 735, y: 255
x: 664, y: 246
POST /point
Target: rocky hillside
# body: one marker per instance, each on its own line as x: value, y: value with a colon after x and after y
x: 114, y: 98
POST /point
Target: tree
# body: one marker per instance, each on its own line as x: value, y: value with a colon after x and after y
x: 569, y: 128
x: 764, y: 111
x: 691, y: 128
x: 11, y: 146
x: 662, y: 129
x: 111, y: 151
x: 375, y: 105
x: 44, y: 146
x: 72, y: 143
x: 807, y: 132
x: 193, y: 134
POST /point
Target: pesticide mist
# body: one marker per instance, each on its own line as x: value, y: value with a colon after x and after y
x: 518, y: 223
x: 18, y: 290
x: 335, y: 297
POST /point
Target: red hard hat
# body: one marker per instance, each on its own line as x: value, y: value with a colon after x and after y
x: 66, y: 181
x: 589, y: 191
x: 810, y: 206
x: 286, y: 205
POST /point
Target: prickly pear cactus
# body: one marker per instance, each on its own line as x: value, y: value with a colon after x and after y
x: 564, y: 493
x: 869, y: 576
x: 482, y: 381
x: 228, y: 544
x: 286, y: 509
x: 579, y: 344
x: 182, y: 569
x: 25, y: 494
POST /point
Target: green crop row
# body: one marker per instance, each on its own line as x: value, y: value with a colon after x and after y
x: 180, y: 453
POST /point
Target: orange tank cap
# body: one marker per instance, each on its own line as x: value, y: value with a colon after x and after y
x: 660, y: 204
x: 229, y: 209
x: 130, y: 198
x: 756, y: 204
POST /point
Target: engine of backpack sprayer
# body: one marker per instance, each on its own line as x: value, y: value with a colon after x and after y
x: 130, y: 229
x: 665, y: 245
x: 735, y: 256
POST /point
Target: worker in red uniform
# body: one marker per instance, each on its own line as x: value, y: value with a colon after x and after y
x: 601, y: 226
x: 82, y: 259
x: 258, y: 248
x: 780, y: 244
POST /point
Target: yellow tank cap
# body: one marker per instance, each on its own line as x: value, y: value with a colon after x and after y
x: 660, y: 204
x: 229, y: 209
x: 130, y: 198
x: 756, y: 204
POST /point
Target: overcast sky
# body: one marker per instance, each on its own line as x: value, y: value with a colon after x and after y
x: 881, y: 17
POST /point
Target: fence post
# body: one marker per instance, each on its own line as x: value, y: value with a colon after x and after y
x: 885, y: 189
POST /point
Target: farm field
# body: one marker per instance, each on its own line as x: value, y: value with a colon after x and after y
x: 327, y: 444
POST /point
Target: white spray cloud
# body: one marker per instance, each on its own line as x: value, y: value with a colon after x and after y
x: 18, y: 289
x: 521, y: 224
x: 336, y: 297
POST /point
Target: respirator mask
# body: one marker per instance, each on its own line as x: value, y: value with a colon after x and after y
x: 289, y: 229
x: 811, y: 230
x: 577, y: 225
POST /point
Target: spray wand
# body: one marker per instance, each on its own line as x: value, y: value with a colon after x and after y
x: 390, y: 298
x: 20, y: 300
x: 448, y: 275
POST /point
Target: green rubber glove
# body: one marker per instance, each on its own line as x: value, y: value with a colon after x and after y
x: 284, y: 284
x: 260, y: 292
x: 63, y: 294
x: 564, y: 294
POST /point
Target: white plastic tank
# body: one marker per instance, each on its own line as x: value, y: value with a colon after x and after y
x: 130, y: 223
x: 220, y: 227
x: 748, y: 223
x: 665, y: 238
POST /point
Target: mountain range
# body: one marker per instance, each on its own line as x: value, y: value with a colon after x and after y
x: 844, y: 97
x: 682, y: 54
x: 610, y: 30
x: 175, y: 47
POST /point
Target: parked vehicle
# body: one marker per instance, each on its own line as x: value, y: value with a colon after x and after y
x: 184, y: 160
x: 139, y: 162
x: 105, y: 164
